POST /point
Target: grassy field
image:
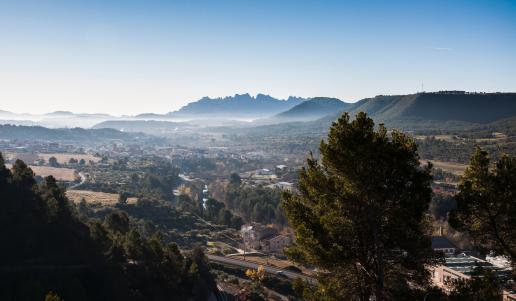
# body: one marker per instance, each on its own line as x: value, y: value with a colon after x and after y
x: 497, y: 137
x: 94, y: 197
x: 28, y: 158
x: 453, y: 167
x: 61, y: 174
x: 65, y: 157
x: 62, y: 158
x: 447, y: 138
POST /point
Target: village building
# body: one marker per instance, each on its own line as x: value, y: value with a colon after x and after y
x: 264, y: 238
x: 443, y: 244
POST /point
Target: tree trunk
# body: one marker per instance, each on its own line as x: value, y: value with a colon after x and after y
x: 379, y: 265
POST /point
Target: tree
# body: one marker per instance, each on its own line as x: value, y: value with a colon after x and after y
x: 486, y: 204
x: 93, y: 260
x: 257, y: 275
x: 235, y: 179
x: 51, y: 296
x: 122, y: 197
x: 82, y: 162
x: 212, y: 208
x: 117, y: 222
x: 73, y: 161
x: 224, y: 217
x: 236, y: 222
x: 52, y: 161
x: 359, y: 214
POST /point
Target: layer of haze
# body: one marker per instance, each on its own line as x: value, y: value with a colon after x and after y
x: 127, y: 57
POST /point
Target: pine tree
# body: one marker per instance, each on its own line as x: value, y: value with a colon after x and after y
x: 359, y: 214
x: 486, y: 204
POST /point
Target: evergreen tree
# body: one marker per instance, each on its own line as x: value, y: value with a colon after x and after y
x: 52, y: 161
x: 486, y: 204
x: 359, y: 214
x: 46, y: 248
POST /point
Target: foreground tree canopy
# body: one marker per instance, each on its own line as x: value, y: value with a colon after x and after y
x: 359, y: 214
x: 486, y: 204
x: 47, y: 251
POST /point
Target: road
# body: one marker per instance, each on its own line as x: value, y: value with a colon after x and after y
x: 83, y: 179
x: 252, y: 265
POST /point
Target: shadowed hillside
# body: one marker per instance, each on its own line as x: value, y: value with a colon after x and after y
x: 74, y: 134
x: 312, y: 109
x: 447, y: 105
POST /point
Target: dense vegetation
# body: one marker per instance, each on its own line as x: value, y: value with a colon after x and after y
x: 46, y: 247
x: 486, y: 204
x: 255, y: 203
x: 359, y: 214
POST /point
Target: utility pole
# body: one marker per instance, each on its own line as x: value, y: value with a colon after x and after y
x: 243, y: 239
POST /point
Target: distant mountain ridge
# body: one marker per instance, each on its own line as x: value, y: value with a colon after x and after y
x: 243, y: 105
x: 72, y: 134
x: 438, y: 106
x: 312, y: 109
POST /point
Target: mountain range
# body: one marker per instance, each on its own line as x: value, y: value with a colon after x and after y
x: 239, y: 105
x: 421, y: 110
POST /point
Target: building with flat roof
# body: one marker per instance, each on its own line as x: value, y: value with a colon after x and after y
x: 463, y: 266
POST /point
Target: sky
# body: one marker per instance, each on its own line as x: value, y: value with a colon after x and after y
x: 128, y: 57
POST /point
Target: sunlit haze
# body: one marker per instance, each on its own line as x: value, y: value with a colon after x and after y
x: 128, y: 57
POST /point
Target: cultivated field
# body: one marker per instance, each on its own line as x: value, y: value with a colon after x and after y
x: 447, y: 138
x: 61, y: 174
x: 65, y: 157
x: 94, y: 197
x: 453, y: 167
x: 28, y: 158
x: 62, y: 158
x: 497, y: 137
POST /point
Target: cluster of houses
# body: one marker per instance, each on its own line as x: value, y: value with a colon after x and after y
x: 271, y: 178
x: 459, y: 265
x: 265, y: 238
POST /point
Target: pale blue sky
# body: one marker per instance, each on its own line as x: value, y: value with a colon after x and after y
x: 126, y: 57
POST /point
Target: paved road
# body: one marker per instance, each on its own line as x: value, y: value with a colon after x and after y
x: 252, y: 265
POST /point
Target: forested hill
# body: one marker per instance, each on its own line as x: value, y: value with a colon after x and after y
x: 313, y: 109
x: 74, y: 134
x: 47, y: 246
x: 243, y: 105
x: 446, y: 105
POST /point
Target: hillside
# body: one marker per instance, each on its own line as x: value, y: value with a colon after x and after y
x: 240, y: 105
x: 312, y: 109
x: 440, y: 106
x: 74, y: 134
x: 472, y: 114
x: 143, y: 126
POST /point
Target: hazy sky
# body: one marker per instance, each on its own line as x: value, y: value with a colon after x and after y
x: 125, y: 57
